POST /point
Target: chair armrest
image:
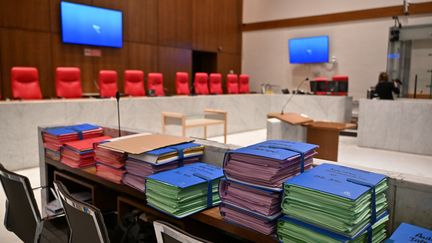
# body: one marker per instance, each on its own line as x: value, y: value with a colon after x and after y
x: 173, y: 114
x: 208, y: 110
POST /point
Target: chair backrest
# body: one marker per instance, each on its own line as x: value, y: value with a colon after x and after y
x: 167, y: 233
x: 215, y: 83
x: 68, y: 82
x: 134, y: 83
x: 232, y: 84
x: 155, y: 83
x: 342, y: 78
x: 182, y: 83
x: 107, y: 83
x: 201, y: 84
x: 22, y: 215
x: 85, y: 221
x: 25, y: 83
x: 244, y: 84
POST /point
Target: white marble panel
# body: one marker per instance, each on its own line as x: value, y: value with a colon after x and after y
x: 276, y: 129
x: 379, y: 124
x: 416, y: 127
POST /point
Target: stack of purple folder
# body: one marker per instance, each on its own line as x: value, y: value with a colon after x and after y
x: 251, y: 196
x: 138, y: 167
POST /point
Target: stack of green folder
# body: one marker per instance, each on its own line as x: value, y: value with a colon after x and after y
x: 334, y: 201
x: 186, y: 190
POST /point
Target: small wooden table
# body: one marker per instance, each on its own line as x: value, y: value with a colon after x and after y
x: 209, y: 118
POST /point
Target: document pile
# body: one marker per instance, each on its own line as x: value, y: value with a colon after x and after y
x: 410, y: 233
x: 54, y: 138
x: 139, y: 166
x: 77, y: 154
x: 184, y: 191
x: 109, y: 163
x: 332, y: 203
x: 251, y: 195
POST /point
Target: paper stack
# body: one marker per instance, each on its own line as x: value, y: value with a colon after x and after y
x: 410, y: 233
x: 333, y: 203
x: 109, y: 163
x: 139, y: 166
x: 184, y: 191
x: 78, y: 154
x: 252, y: 194
x: 54, y: 138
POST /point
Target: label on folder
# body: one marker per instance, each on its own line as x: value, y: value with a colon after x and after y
x: 411, y: 233
x: 333, y: 179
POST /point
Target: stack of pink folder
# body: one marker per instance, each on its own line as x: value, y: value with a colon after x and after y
x: 78, y: 154
x: 109, y: 164
x: 252, y: 193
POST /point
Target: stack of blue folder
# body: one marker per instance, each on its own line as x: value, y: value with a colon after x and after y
x: 332, y: 203
x: 184, y: 191
x: 139, y: 166
x: 251, y: 195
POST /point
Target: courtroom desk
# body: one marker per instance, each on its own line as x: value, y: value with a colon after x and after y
x: 401, y: 125
x: 110, y: 196
x: 246, y: 112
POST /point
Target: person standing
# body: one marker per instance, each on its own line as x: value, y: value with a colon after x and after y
x: 384, y: 88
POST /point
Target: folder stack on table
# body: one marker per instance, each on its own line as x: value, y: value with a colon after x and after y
x: 184, y: 191
x: 139, y: 166
x: 251, y: 195
x: 332, y: 203
x: 78, y: 154
x: 54, y: 138
x: 109, y: 163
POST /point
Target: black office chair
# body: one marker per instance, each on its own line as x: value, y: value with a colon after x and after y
x: 167, y: 233
x: 22, y: 215
x: 85, y: 221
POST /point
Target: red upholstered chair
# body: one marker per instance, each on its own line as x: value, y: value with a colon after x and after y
x: 244, y: 84
x: 232, y: 84
x: 155, y: 83
x: 340, y: 84
x: 201, y: 84
x: 25, y: 83
x: 215, y: 83
x: 134, y: 83
x: 68, y: 82
x: 107, y: 83
x: 182, y: 83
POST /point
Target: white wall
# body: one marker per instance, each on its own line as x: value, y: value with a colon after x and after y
x: 360, y: 47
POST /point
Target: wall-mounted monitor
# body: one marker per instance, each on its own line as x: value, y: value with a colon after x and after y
x: 309, y: 50
x: 88, y: 25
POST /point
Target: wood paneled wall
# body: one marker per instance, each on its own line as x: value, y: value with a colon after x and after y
x: 158, y: 36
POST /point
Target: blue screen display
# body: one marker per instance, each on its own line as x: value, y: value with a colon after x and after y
x: 87, y: 25
x: 309, y: 50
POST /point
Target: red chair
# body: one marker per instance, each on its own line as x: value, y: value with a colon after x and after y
x: 182, y: 83
x: 232, y: 84
x: 134, y: 83
x: 107, y: 83
x: 25, y: 83
x: 68, y: 82
x: 215, y: 83
x: 244, y: 84
x: 201, y: 84
x: 155, y: 83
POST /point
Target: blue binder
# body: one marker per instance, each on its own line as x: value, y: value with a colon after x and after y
x: 189, y: 175
x: 410, y: 233
x: 59, y: 131
x: 332, y: 179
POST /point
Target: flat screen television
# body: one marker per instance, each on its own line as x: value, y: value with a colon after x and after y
x: 88, y: 25
x: 309, y: 50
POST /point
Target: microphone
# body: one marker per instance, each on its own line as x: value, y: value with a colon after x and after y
x: 118, y: 112
x: 292, y: 95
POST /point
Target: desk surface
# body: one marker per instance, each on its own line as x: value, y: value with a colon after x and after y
x: 210, y: 217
